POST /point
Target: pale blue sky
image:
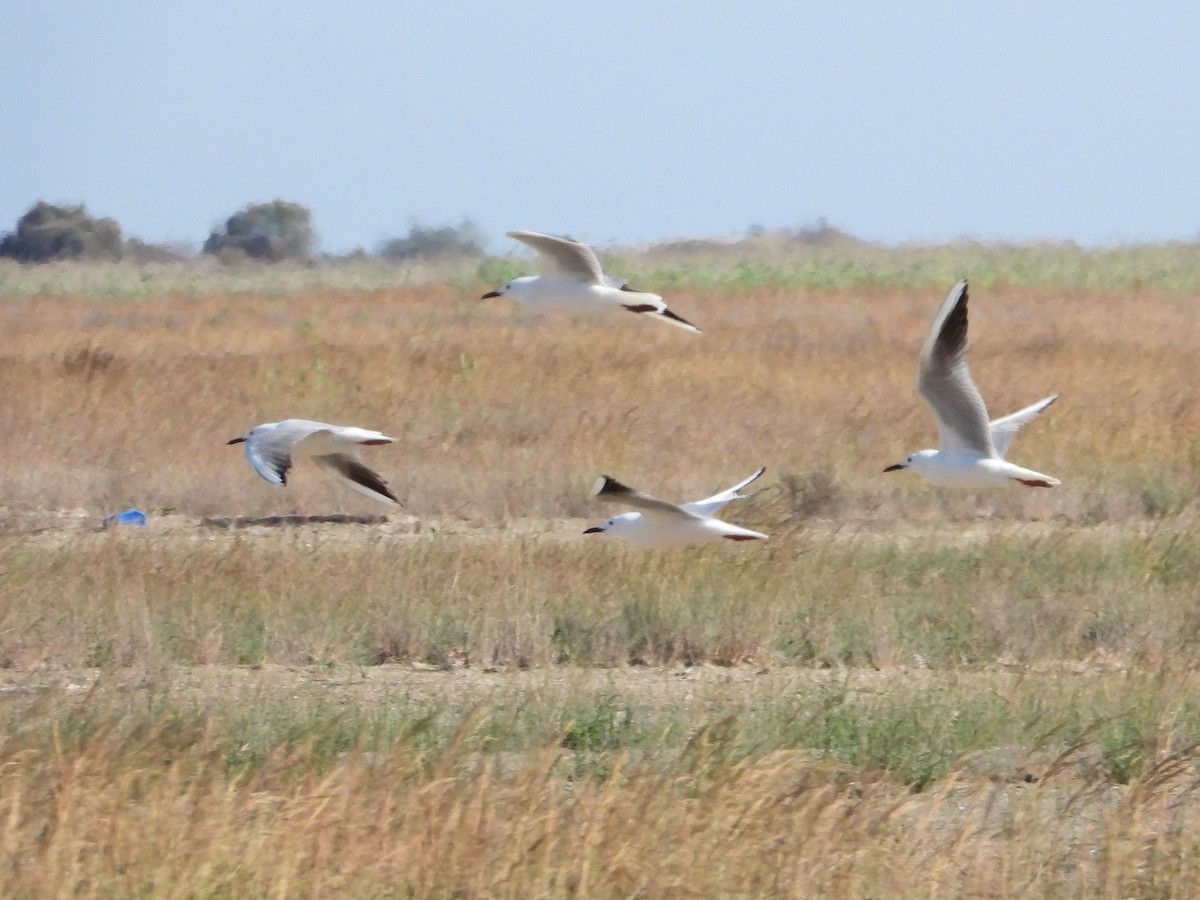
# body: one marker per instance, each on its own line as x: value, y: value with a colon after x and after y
x: 629, y: 120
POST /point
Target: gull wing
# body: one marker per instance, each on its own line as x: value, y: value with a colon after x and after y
x: 609, y: 489
x: 710, y: 505
x: 350, y: 471
x: 1005, y: 429
x: 945, y: 382
x: 270, y: 450
x: 564, y: 256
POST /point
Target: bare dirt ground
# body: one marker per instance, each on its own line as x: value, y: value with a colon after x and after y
x: 56, y: 528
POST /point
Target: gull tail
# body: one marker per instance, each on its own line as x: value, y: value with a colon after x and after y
x: 365, y: 436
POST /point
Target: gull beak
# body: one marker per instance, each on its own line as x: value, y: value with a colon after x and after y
x: 896, y: 467
x: 595, y: 529
x: 490, y: 294
x: 240, y: 440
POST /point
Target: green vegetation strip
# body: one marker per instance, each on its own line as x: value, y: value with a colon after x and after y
x: 702, y: 265
x: 914, y: 727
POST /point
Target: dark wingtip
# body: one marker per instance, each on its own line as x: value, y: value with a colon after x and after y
x: 606, y: 485
x: 953, y: 336
x: 368, y: 478
x: 664, y: 312
x: 681, y: 319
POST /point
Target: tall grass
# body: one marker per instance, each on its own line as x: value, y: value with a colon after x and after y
x: 325, y: 596
x: 592, y: 792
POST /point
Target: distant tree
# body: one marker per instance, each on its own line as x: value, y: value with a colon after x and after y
x: 821, y: 232
x: 48, y: 232
x: 268, y: 231
x: 436, y: 242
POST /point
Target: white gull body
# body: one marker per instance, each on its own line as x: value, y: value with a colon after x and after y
x: 272, y: 447
x: 971, y: 447
x: 659, y: 524
x: 573, y: 281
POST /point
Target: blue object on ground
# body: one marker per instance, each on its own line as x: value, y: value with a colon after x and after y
x: 129, y: 517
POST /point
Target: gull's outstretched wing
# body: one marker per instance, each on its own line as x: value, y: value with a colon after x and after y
x: 270, y: 450
x: 710, y: 505
x: 1005, y: 429
x: 566, y: 257
x: 945, y: 382
x: 350, y: 471
x: 609, y: 489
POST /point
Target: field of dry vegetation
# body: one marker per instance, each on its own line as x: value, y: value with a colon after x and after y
x: 905, y: 692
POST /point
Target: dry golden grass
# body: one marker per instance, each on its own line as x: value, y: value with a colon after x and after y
x: 114, y: 792
x: 477, y: 701
x: 502, y: 416
x: 775, y: 826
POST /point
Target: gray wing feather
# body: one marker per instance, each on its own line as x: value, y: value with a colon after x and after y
x: 945, y: 382
x: 270, y: 451
x: 711, y: 505
x: 564, y: 255
x: 270, y: 462
x: 1005, y: 429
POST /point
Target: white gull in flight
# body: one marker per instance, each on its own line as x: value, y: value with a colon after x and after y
x: 970, y: 447
x: 572, y: 281
x: 335, y: 448
x: 659, y: 524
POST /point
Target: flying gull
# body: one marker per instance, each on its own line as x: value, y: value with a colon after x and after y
x: 572, y: 281
x: 970, y: 447
x: 334, y: 448
x: 659, y: 524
